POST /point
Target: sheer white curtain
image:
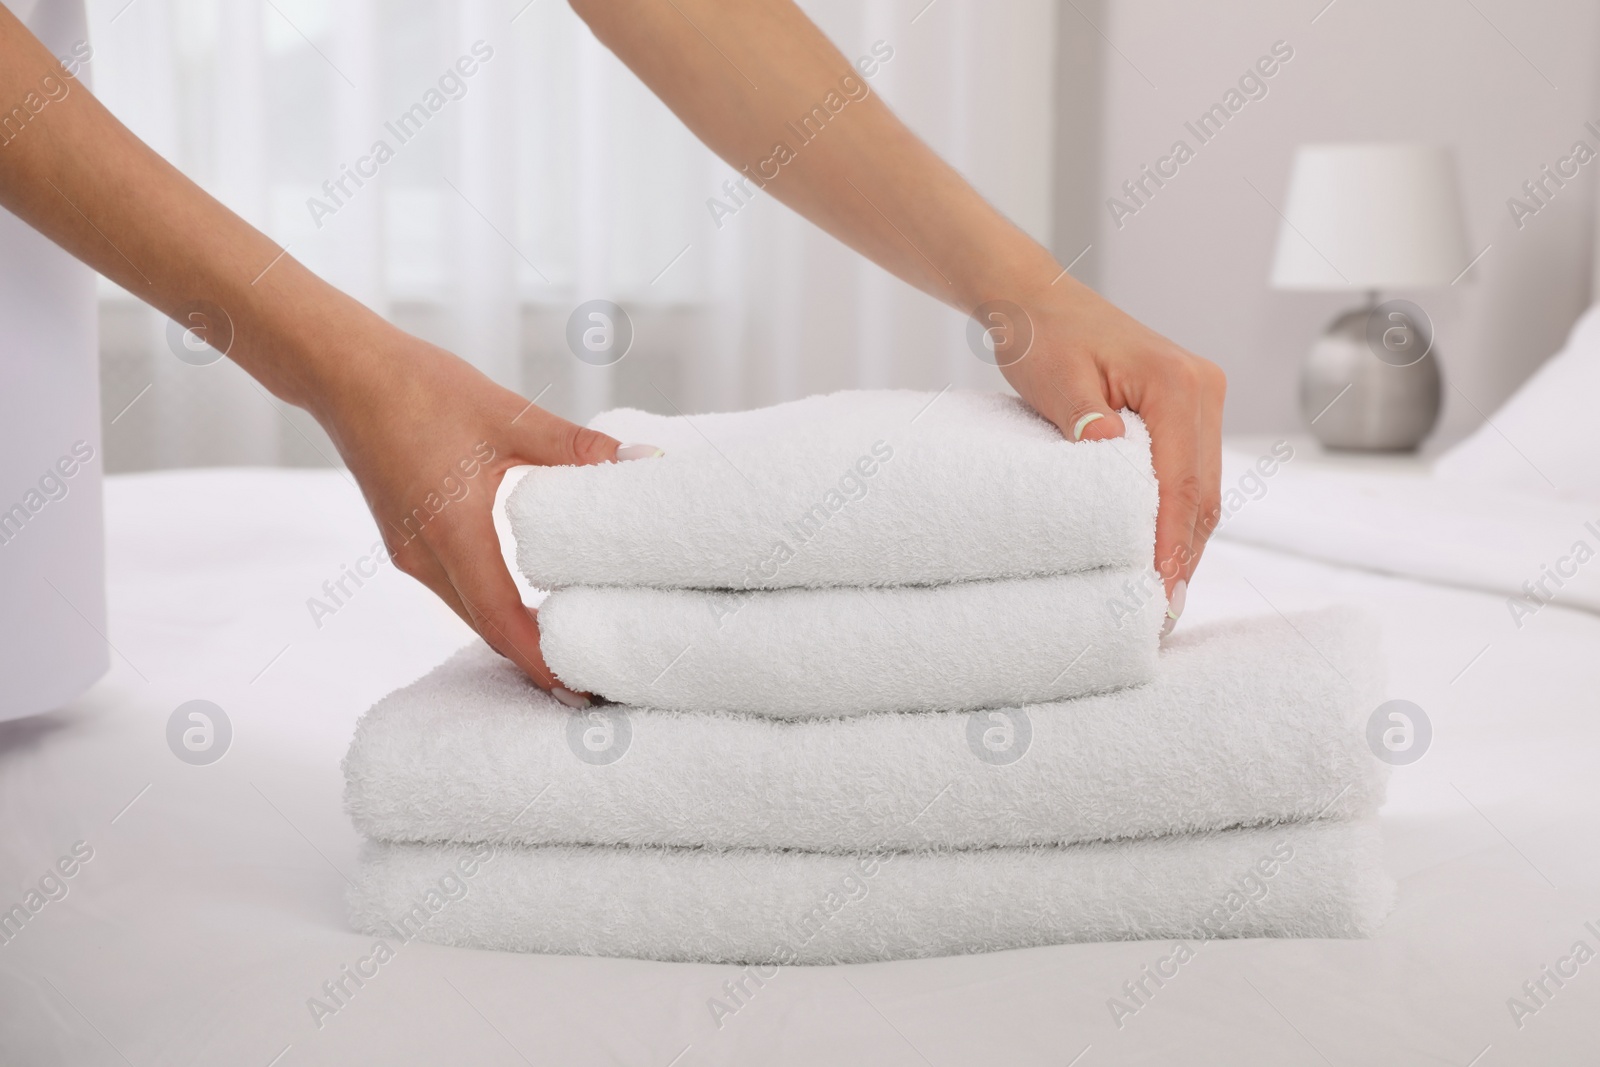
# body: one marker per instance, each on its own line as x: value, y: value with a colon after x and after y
x: 545, y: 177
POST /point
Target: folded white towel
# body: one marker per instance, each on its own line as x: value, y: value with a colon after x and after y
x: 805, y: 653
x: 1319, y: 879
x: 856, y: 488
x: 1247, y: 722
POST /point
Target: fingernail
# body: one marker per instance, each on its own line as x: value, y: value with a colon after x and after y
x: 1077, y: 429
x: 569, y: 698
x: 1180, y: 594
x: 1167, y: 624
x: 627, y: 452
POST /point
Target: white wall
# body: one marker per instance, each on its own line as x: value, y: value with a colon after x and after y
x: 1194, y: 262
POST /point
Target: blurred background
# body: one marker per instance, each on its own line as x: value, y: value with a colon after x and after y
x: 557, y: 178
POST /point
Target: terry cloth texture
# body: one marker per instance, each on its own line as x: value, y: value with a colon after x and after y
x: 858, y: 488
x: 1249, y: 722
x: 807, y: 653
x: 885, y: 681
x: 1315, y: 879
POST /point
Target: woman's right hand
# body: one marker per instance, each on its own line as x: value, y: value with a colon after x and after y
x: 428, y: 438
x: 410, y: 419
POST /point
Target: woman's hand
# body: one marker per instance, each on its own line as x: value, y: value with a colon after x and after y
x: 429, y: 438
x: 871, y: 183
x: 1086, y: 360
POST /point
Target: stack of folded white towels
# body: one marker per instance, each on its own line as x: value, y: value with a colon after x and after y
x: 883, y: 678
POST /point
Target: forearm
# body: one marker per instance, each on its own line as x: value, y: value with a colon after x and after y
x: 76, y: 174
x: 743, y: 75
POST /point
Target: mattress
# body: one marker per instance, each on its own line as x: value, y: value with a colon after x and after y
x: 203, y: 921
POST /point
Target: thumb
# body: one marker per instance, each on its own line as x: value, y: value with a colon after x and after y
x: 551, y: 441
x: 1081, y: 411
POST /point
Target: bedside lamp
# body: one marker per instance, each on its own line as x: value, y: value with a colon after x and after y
x: 1370, y: 217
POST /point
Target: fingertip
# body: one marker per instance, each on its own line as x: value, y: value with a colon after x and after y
x: 1176, y: 598
x: 629, y: 452
x: 575, y: 701
x: 1097, y: 426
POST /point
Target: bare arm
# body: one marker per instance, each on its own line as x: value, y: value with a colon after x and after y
x: 410, y: 419
x: 742, y: 75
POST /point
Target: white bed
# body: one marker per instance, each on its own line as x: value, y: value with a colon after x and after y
x: 212, y: 907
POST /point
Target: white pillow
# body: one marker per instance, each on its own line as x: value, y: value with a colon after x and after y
x: 1547, y: 432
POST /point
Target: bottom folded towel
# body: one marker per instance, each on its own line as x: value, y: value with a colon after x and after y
x: 750, y: 906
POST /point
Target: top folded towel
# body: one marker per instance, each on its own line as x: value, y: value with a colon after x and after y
x: 883, y: 487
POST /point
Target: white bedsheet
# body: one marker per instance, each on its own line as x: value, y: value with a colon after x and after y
x: 1531, y: 548
x: 212, y: 907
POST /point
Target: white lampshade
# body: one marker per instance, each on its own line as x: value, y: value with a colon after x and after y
x: 1371, y: 216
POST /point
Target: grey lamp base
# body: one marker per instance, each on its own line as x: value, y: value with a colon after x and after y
x: 1352, y: 400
